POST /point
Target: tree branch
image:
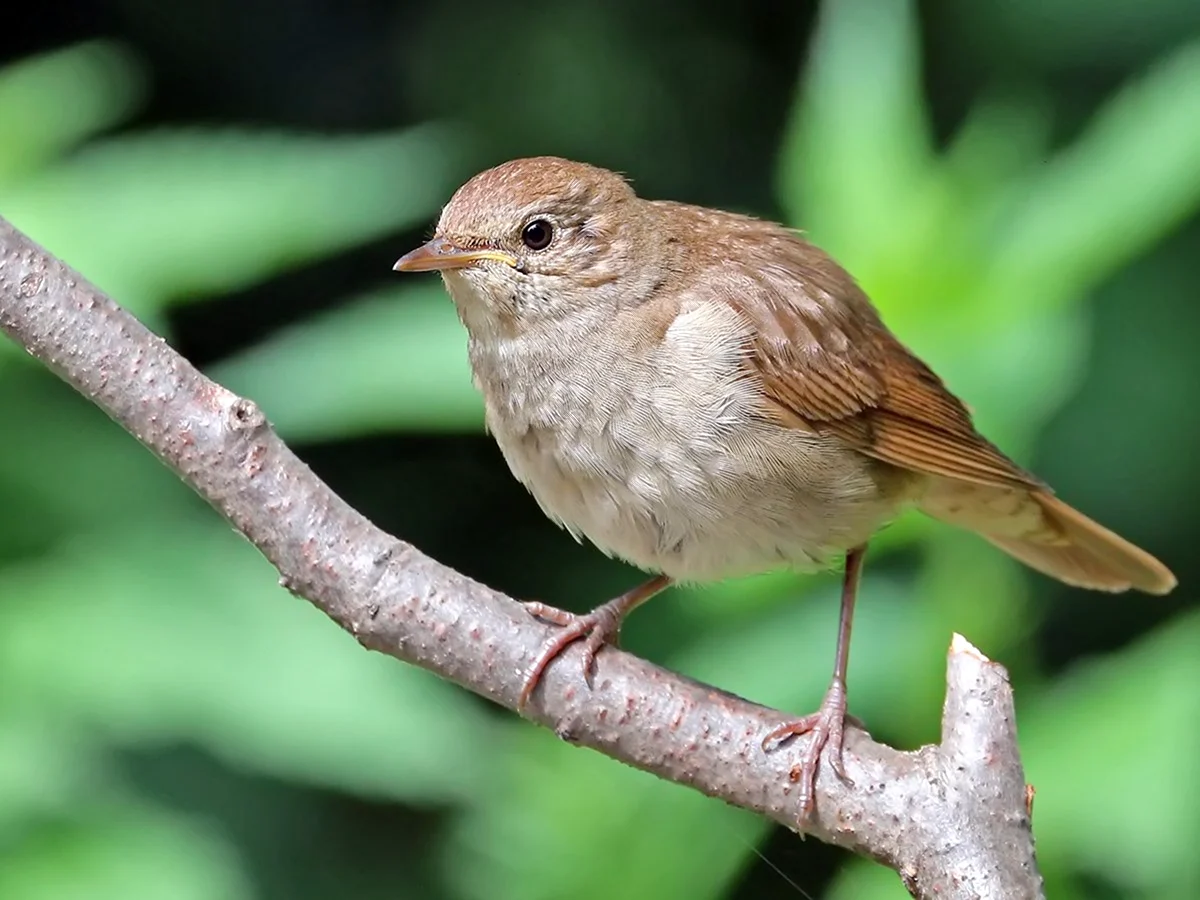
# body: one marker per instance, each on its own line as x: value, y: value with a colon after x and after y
x: 952, y: 820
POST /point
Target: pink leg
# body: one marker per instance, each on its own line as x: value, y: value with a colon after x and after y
x: 827, y: 724
x: 599, y: 627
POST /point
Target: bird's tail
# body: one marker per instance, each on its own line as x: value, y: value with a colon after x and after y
x: 1047, y: 535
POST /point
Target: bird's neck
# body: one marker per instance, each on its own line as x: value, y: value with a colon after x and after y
x: 503, y: 357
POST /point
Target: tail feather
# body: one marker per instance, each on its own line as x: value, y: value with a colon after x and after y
x: 1046, y: 534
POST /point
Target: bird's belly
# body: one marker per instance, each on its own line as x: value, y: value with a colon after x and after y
x: 700, y: 506
x: 660, y: 452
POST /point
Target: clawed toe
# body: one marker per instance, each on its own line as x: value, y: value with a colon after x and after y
x: 547, y: 613
x: 826, y: 728
x: 599, y: 627
x: 596, y: 629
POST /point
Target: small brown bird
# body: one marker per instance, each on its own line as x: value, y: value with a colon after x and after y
x: 707, y: 395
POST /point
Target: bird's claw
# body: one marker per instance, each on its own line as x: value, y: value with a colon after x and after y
x: 596, y: 629
x: 826, y: 728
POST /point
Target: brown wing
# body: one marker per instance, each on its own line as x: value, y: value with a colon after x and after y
x: 828, y: 364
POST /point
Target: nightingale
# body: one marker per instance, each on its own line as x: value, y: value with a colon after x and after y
x: 708, y: 395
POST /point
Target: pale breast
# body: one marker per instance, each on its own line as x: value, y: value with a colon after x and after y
x: 657, y: 453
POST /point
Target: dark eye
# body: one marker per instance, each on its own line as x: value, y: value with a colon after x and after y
x: 537, y: 235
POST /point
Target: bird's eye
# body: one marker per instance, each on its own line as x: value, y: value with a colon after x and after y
x: 537, y: 235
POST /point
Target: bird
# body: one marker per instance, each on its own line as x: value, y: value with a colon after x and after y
x: 705, y: 395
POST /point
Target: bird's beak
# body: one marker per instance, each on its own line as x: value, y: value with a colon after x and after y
x: 441, y: 254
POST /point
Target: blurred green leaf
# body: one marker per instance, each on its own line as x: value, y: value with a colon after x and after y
x: 1002, y: 137
x: 1134, y: 173
x: 559, y: 817
x: 45, y: 767
x: 187, y: 637
x: 1111, y: 749
x: 101, y: 475
x: 120, y: 853
x: 857, y: 145
x: 51, y: 102
x: 1073, y: 37
x: 862, y: 879
x: 167, y: 216
x: 980, y: 593
x: 394, y: 360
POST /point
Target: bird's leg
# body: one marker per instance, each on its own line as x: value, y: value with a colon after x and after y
x: 827, y: 724
x: 599, y: 627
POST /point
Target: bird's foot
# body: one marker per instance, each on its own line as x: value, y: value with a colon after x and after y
x: 827, y: 730
x: 599, y: 627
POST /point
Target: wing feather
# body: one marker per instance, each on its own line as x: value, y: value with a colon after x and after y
x: 828, y: 363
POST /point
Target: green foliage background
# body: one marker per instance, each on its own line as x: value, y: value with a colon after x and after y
x: 172, y: 724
